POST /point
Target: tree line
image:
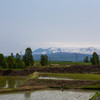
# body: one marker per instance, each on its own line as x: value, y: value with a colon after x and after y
x: 94, y: 59
x: 20, y: 62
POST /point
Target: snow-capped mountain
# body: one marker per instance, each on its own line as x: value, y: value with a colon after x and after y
x: 66, y: 50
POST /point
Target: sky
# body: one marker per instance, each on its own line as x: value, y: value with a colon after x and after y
x: 48, y: 23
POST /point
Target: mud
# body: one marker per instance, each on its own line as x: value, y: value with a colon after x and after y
x: 72, y: 69
x: 58, y: 83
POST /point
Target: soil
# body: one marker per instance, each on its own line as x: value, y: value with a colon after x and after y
x: 59, y: 83
x: 72, y: 69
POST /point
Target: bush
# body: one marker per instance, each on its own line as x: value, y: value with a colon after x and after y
x: 95, y: 59
x: 44, y: 60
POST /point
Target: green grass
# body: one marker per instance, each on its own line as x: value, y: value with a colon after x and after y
x: 61, y: 63
x: 70, y: 63
x: 95, y: 87
x: 33, y: 76
x: 95, y: 77
x: 96, y: 95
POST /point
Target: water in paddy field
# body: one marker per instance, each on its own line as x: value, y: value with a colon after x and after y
x: 49, y: 95
x: 55, y: 78
x: 10, y: 82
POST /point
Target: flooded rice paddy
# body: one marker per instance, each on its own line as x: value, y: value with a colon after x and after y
x: 10, y: 82
x: 55, y: 78
x: 49, y: 95
x: 13, y: 82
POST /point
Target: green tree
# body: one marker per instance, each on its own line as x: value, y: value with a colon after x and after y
x: 95, y: 59
x: 3, y: 62
x: 44, y: 60
x: 18, y: 60
x: 11, y: 62
x: 12, y: 55
x: 86, y: 59
x: 28, y: 58
x: 22, y: 64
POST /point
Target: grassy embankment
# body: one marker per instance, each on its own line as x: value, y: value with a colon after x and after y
x: 33, y: 83
x: 61, y: 63
x: 7, y: 90
x: 81, y: 81
x: 93, y: 77
x: 97, y: 95
x: 69, y: 63
x: 53, y: 64
x: 88, y: 77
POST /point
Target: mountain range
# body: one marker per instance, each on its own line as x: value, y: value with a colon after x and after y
x: 66, y: 50
x: 65, y: 54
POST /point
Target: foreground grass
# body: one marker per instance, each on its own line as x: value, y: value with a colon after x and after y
x: 94, y: 77
x: 92, y: 87
x: 95, y: 96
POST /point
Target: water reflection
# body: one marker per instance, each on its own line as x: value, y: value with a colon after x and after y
x: 9, y: 82
x: 2, y: 83
x: 49, y: 95
x: 6, y: 85
x: 27, y: 94
x: 55, y: 78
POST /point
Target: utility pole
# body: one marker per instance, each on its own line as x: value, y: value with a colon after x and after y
x: 21, y: 54
x: 76, y: 57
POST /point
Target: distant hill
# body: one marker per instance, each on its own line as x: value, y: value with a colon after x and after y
x: 65, y: 54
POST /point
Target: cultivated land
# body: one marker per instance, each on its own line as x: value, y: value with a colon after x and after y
x: 84, y: 75
x: 83, y: 69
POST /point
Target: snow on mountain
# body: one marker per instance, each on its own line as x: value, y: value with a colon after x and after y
x: 66, y: 50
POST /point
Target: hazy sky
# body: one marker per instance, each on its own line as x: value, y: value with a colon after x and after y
x: 48, y: 23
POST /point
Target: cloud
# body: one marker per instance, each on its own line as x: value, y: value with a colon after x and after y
x: 62, y: 44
